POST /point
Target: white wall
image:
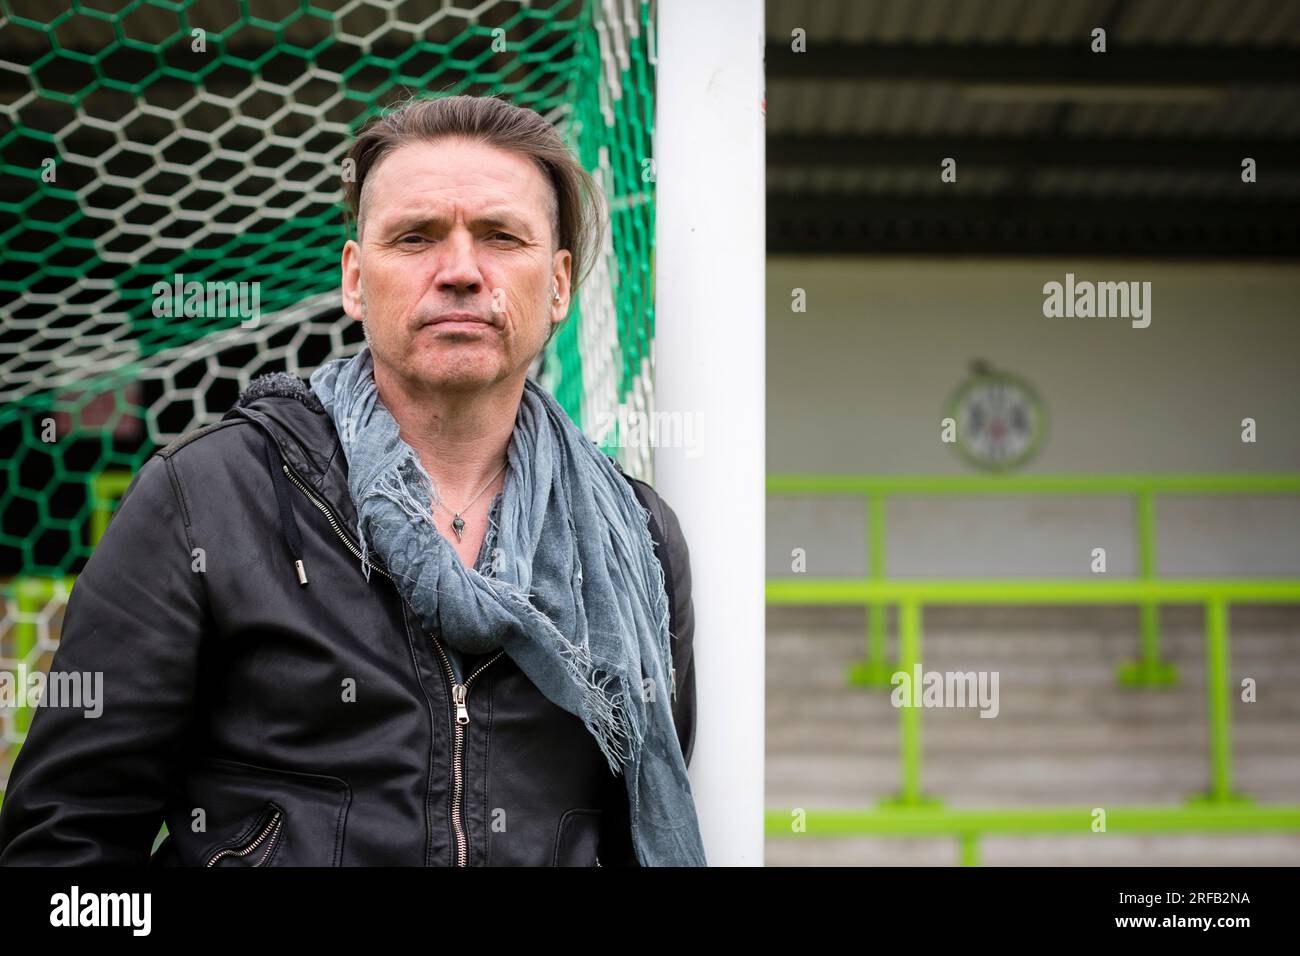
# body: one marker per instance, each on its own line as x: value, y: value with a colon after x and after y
x: 858, y: 383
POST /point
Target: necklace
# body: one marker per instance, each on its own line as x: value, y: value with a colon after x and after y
x: 457, y: 522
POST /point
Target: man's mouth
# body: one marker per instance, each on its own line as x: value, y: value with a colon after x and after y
x: 457, y: 320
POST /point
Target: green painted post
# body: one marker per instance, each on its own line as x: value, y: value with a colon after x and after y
x: 1149, y: 670
x: 877, y: 571
x: 107, y: 489
x: 970, y: 848
x: 1147, y: 570
x: 1218, y: 701
x: 31, y: 596
x: 909, y: 717
x: 875, y: 670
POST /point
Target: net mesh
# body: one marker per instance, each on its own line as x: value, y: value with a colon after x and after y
x: 163, y: 141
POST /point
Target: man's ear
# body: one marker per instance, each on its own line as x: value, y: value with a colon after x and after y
x: 353, y: 291
x: 561, y: 276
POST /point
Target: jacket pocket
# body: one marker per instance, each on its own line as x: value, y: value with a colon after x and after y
x: 258, y: 816
x: 578, y: 838
x: 257, y: 848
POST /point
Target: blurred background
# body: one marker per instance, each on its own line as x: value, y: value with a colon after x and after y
x: 897, y: 300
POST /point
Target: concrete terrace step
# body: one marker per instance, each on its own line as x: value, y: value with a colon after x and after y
x: 1066, y: 733
x: 1021, y: 703
x: 1099, y: 849
x: 1046, y: 738
x: 822, y: 780
x: 794, y: 663
x: 1033, y: 618
x: 791, y: 645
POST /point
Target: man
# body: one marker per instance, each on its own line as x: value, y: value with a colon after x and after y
x: 409, y: 615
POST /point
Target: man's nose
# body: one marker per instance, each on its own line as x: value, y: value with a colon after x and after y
x: 457, y: 264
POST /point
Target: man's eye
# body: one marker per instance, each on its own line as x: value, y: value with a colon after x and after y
x: 407, y: 239
x: 503, y: 235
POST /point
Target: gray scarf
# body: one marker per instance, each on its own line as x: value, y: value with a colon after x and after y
x: 576, y: 596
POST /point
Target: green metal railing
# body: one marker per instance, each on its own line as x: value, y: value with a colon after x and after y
x: 911, y: 811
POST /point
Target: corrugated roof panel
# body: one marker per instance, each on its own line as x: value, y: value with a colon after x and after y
x: 1188, y: 23
x: 956, y: 112
x: 790, y: 104
x: 1260, y: 111
x: 858, y: 106
x: 1288, y: 24
x: 1250, y: 23
x: 1255, y: 111
x: 930, y: 115
x: 893, y: 22
x: 1206, y: 25
x: 1052, y: 23
x: 884, y: 181
x: 1162, y: 183
x: 930, y: 23
x: 1208, y: 22
x: 856, y: 21
x: 896, y: 181
x: 1283, y: 113
x: 873, y: 102
x: 1020, y: 118
x: 1141, y: 18
x: 962, y: 21
x: 902, y: 108
x: 1218, y: 22
x: 819, y: 20
x: 840, y: 108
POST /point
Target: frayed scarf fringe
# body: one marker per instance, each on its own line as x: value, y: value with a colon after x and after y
x: 606, y: 713
x: 660, y: 595
x: 389, y: 484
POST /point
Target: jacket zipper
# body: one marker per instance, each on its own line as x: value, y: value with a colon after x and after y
x: 459, y: 695
x: 271, y: 832
x: 329, y: 516
x: 459, y: 692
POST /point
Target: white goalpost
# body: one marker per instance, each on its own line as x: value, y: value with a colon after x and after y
x: 709, y: 368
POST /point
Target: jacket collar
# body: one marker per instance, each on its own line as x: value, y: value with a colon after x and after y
x: 285, y: 407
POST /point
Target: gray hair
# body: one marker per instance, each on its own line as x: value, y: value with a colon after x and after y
x: 577, y: 220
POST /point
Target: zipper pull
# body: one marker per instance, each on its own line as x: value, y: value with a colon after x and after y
x: 458, y: 694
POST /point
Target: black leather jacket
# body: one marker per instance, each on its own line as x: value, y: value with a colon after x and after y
x: 269, y: 723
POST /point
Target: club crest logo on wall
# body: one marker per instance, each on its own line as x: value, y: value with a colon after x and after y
x: 1000, y: 420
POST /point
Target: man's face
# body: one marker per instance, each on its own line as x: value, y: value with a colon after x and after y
x: 455, y: 229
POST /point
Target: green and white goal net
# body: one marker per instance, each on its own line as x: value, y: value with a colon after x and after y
x: 141, y: 140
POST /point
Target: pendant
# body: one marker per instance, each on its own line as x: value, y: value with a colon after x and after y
x: 458, y: 525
